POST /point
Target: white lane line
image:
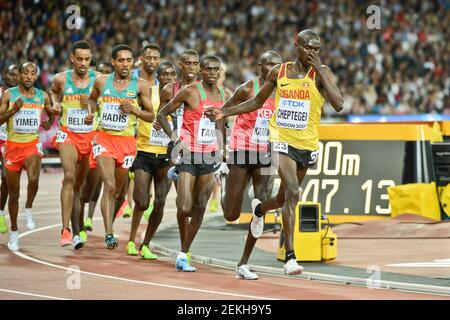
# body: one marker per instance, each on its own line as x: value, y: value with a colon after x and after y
x: 441, y: 263
x: 24, y: 256
x: 32, y: 294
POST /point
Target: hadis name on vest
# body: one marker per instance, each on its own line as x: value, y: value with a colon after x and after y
x: 294, y: 94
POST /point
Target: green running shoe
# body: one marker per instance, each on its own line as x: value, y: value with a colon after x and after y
x: 148, y: 212
x: 147, y: 254
x: 83, y: 236
x: 3, y: 224
x: 188, y: 257
x: 88, y: 224
x: 128, y: 212
x: 131, y: 249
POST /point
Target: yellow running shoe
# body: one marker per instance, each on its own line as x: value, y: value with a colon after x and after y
x: 214, y: 205
x: 147, y: 254
x: 3, y: 224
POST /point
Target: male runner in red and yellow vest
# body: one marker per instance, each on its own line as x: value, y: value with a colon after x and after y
x: 21, y: 107
x: 301, y: 88
x: 200, y: 150
x: 122, y: 99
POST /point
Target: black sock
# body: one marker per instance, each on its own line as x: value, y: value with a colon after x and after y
x: 290, y: 255
x: 258, y: 212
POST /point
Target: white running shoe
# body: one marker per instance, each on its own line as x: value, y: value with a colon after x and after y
x: 13, y: 243
x: 243, y: 272
x: 77, y: 242
x: 257, y: 223
x: 292, y: 267
x: 30, y: 222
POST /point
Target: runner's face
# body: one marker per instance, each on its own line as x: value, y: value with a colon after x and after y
x: 11, y: 77
x: 28, y: 76
x: 150, y: 60
x: 168, y: 75
x: 211, y: 71
x: 267, y: 64
x: 304, y: 48
x: 190, y: 67
x: 81, y: 59
x: 123, y: 63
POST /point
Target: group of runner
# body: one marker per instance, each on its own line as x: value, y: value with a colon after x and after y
x: 161, y: 128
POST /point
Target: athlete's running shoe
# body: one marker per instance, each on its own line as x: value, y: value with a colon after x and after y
x: 111, y: 242
x: 243, y: 272
x: 292, y: 267
x: 188, y: 257
x: 66, y: 238
x: 131, y: 249
x: 257, y: 224
x: 13, y: 243
x: 147, y: 254
x: 181, y: 264
x: 148, y: 212
x: 127, y: 212
x: 83, y: 236
x: 213, y: 205
x: 3, y: 224
x: 77, y: 242
x: 29, y: 216
x: 88, y: 224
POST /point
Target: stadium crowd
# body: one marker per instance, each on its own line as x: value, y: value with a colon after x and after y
x: 401, y: 68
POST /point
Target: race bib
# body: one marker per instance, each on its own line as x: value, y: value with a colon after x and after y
x: 112, y: 118
x: 159, y: 137
x: 27, y: 121
x: 293, y: 114
x: 75, y: 120
x: 128, y: 162
x: 61, y: 136
x: 97, y: 150
x: 206, y: 132
x: 261, y: 131
x: 280, y: 147
x: 40, y: 149
x: 3, y: 132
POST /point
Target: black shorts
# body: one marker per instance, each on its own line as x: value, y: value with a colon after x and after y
x: 199, y: 164
x: 150, y: 162
x: 249, y: 159
x: 303, y: 158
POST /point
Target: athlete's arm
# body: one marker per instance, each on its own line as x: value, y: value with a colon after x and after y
x: 250, y: 105
x: 92, y: 101
x: 166, y: 94
x: 49, y: 111
x: 5, y: 114
x: 180, y: 98
x: 327, y: 82
x: 56, y: 92
x: 145, y: 113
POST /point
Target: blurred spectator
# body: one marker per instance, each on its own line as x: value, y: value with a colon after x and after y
x: 401, y: 68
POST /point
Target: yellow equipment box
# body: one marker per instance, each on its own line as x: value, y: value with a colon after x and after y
x: 311, y: 242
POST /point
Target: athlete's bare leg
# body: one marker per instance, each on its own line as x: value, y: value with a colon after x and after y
x: 13, y: 178
x: 142, y: 182
x: 107, y: 169
x: 194, y: 205
x: 3, y: 187
x: 82, y: 169
x: 33, y: 166
x: 162, y: 188
x: 69, y: 156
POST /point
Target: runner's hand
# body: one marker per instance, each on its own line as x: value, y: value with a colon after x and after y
x: 89, y: 119
x: 313, y: 60
x: 84, y: 100
x: 222, y: 171
x: 56, y: 109
x: 157, y: 125
x: 214, y: 113
x: 127, y: 108
x: 46, y: 125
x: 17, y: 105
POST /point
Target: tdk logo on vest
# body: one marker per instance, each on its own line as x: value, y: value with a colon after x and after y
x: 294, y: 103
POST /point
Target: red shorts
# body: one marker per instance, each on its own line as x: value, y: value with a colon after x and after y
x: 17, y: 152
x: 92, y: 162
x: 81, y: 141
x: 121, y: 149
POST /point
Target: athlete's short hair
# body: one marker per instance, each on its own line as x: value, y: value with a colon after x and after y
x: 120, y: 47
x: 188, y: 52
x: 164, y: 65
x: 209, y: 57
x: 151, y: 46
x: 82, y: 44
x: 23, y: 65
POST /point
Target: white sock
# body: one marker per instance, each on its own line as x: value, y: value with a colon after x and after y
x: 2, y: 213
x: 28, y: 211
x: 182, y: 255
x: 14, y: 234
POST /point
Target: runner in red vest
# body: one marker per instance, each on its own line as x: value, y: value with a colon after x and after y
x: 249, y: 153
x: 199, y: 149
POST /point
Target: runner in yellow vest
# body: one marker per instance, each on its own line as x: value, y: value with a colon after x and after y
x: 301, y: 89
x: 122, y: 99
x: 21, y: 107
